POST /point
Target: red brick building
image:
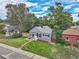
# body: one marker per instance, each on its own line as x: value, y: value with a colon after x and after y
x: 71, y: 35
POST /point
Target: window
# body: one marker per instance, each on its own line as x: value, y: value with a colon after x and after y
x: 43, y: 34
x: 67, y: 40
x: 39, y: 35
x: 78, y: 40
x: 46, y: 35
x: 32, y: 35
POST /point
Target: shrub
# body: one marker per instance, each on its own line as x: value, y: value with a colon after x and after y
x: 16, y: 35
x: 1, y: 28
x: 2, y: 31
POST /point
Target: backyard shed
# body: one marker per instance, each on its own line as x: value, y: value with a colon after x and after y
x: 71, y: 35
x: 41, y: 32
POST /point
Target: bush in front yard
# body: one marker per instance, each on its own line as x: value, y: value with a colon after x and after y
x: 16, y: 35
x: 1, y: 28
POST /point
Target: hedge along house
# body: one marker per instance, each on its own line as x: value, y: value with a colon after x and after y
x: 41, y: 32
x: 71, y: 35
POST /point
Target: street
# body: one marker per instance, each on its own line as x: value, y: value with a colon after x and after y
x: 9, y: 54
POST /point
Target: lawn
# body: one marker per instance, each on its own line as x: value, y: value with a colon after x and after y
x: 16, y: 42
x: 37, y: 47
x: 41, y: 48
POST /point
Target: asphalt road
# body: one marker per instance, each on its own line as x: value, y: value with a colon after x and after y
x: 11, y: 54
x: 1, y: 58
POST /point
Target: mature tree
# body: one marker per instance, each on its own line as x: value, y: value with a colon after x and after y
x: 59, y: 20
x: 1, y: 20
x: 41, y: 21
x: 38, y: 22
x: 64, y: 19
x: 15, y: 14
x: 19, y: 14
x: 29, y: 21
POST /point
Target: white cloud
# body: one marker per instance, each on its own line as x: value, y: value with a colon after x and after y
x: 40, y: 15
x: 76, y: 9
x: 45, y: 8
x: 37, y: 12
x: 68, y: 7
x: 78, y: 0
x: 75, y: 17
x: 69, y: 1
x: 29, y: 4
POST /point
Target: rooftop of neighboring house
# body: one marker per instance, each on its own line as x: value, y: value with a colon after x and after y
x: 74, y: 30
x: 10, y: 27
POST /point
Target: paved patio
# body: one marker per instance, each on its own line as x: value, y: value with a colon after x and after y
x: 7, y: 52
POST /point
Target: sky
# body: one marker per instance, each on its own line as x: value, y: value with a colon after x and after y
x: 40, y: 7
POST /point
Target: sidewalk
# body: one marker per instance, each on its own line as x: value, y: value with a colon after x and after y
x: 20, y: 52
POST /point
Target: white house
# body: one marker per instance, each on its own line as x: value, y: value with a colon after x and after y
x: 41, y: 32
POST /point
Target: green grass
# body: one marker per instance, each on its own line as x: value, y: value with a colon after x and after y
x: 37, y: 47
x: 41, y: 48
x: 14, y: 42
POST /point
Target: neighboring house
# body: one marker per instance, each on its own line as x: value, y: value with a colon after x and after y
x: 41, y: 32
x: 71, y: 35
x: 10, y: 29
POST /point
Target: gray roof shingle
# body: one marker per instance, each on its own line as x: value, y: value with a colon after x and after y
x: 43, y: 29
x: 11, y: 27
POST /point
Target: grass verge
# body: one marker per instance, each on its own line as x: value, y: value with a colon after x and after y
x: 15, y: 42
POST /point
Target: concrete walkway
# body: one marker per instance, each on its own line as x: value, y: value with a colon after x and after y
x: 8, y: 52
x: 23, y: 45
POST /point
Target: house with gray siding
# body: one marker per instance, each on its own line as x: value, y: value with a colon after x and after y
x: 10, y: 29
x: 41, y: 32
